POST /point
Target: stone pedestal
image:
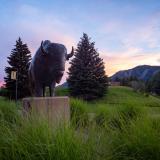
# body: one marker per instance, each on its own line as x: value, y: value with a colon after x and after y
x: 53, y: 108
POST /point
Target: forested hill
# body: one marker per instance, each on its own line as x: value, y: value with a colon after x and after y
x: 143, y: 72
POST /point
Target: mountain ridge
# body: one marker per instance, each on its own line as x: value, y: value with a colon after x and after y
x: 141, y: 72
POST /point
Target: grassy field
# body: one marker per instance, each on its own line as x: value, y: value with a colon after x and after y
x: 124, y: 125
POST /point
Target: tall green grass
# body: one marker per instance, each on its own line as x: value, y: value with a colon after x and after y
x: 118, y: 130
x: 9, y: 112
x: 79, y: 115
x: 38, y: 140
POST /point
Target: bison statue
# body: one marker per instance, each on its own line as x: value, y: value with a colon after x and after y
x: 47, y: 67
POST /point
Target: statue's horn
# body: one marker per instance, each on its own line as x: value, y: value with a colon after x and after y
x: 42, y: 49
x: 71, y: 54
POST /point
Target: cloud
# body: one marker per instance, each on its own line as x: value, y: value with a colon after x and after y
x: 117, y: 62
x: 140, y: 45
x: 144, y: 33
x: 41, y: 25
x: 33, y: 25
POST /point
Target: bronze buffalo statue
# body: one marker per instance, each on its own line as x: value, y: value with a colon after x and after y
x: 47, y: 67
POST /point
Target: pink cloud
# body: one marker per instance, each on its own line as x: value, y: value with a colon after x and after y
x: 122, y: 62
x: 41, y: 26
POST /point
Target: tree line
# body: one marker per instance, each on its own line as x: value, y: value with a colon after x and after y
x: 86, y: 76
x: 150, y: 86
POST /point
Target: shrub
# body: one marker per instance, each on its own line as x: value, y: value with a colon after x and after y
x: 3, y: 92
x: 138, y: 86
x: 61, y: 92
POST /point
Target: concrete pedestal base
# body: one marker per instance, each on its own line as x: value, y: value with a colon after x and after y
x: 54, y: 108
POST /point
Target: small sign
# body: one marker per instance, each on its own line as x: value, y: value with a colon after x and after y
x: 14, y: 75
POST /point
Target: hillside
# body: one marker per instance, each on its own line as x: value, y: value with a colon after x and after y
x: 143, y: 72
x: 120, y: 97
x: 123, y: 97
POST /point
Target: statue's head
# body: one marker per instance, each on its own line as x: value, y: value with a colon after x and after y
x: 57, y: 50
x: 55, y: 55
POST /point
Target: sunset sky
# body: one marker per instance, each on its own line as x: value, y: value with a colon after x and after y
x: 126, y: 32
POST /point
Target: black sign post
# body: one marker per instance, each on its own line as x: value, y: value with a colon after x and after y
x: 16, y: 86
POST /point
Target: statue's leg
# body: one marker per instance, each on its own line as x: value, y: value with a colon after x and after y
x: 43, y: 90
x: 38, y: 90
x: 51, y: 89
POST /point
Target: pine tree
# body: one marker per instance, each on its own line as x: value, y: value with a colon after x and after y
x: 19, y: 61
x: 87, y: 79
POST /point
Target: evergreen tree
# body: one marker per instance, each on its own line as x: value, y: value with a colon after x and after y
x: 87, y: 79
x: 19, y: 61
